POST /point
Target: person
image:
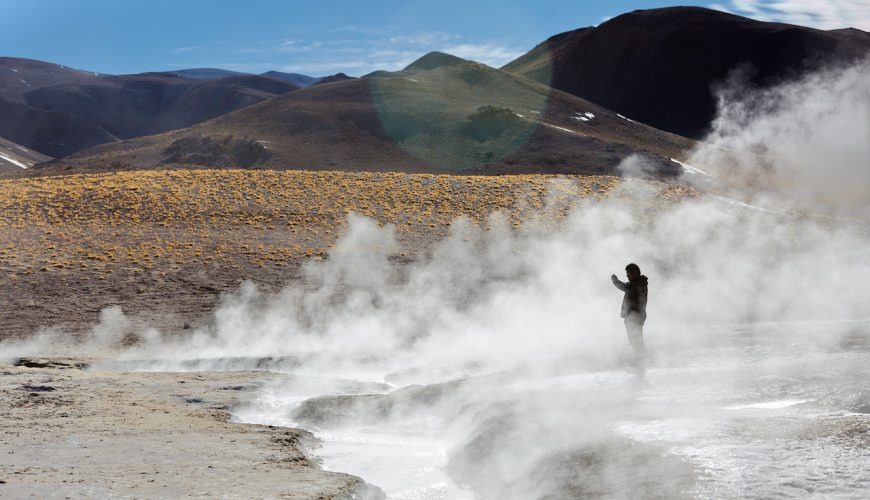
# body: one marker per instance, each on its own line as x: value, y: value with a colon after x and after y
x: 634, y: 312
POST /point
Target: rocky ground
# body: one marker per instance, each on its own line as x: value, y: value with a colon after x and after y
x: 71, y: 432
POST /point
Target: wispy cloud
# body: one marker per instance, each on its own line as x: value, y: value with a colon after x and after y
x: 395, y: 52
x: 822, y: 14
x: 180, y: 50
x: 364, y: 30
x: 358, y: 51
x: 427, y: 39
x: 297, y: 46
x: 491, y: 54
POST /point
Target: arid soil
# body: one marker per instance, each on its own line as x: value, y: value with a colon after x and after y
x: 165, y: 244
x: 70, y: 432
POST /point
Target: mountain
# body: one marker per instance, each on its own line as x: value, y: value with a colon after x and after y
x: 46, y: 131
x: 294, y: 78
x: 659, y: 66
x: 15, y: 157
x: 305, y: 80
x: 440, y: 114
x: 338, y: 77
x: 58, y: 111
x: 204, y: 73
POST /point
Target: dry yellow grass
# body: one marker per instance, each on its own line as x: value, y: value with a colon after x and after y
x: 158, y: 221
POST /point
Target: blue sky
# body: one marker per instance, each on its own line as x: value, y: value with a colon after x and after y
x: 318, y: 38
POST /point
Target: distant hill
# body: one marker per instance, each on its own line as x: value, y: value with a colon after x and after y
x: 338, y: 77
x: 440, y: 114
x: 658, y: 66
x: 57, y: 110
x: 294, y: 78
x: 305, y: 80
x: 15, y: 157
x: 43, y: 130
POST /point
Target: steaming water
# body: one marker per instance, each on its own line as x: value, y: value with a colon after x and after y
x: 404, y: 457
x: 759, y: 413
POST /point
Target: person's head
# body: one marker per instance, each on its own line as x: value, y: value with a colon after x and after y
x: 632, y: 271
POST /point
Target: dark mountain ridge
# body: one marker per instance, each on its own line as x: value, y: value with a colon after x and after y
x: 204, y: 73
x: 57, y: 110
x: 440, y: 114
x: 661, y: 66
x: 294, y: 78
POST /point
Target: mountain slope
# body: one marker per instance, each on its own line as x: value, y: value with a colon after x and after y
x: 658, y: 66
x: 49, y: 132
x: 332, y: 78
x: 204, y: 73
x: 15, y: 157
x: 440, y: 114
x: 294, y: 78
x: 58, y: 111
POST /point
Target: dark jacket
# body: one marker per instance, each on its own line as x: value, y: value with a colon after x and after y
x: 634, y: 300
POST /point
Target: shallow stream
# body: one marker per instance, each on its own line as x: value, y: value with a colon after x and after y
x: 757, y: 411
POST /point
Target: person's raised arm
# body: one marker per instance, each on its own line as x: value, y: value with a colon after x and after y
x: 618, y: 284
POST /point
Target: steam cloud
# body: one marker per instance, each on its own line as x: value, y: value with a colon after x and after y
x: 503, y: 296
x: 806, y: 141
x: 494, y: 299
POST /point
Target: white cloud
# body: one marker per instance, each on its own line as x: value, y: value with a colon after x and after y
x: 364, y: 30
x: 491, y: 54
x: 357, y: 51
x: 821, y: 14
x: 431, y: 38
x: 364, y: 55
x: 180, y: 50
x: 295, y: 46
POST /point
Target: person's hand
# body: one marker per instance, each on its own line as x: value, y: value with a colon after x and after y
x: 613, y: 277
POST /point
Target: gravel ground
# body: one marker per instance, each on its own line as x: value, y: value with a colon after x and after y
x: 72, y: 432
